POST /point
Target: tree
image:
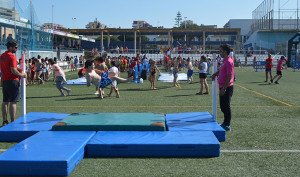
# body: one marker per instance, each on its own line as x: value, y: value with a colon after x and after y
x: 105, y: 38
x: 131, y: 38
x: 178, y: 19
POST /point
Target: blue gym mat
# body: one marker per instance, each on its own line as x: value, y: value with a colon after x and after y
x: 153, y: 144
x: 79, y: 81
x: 195, y: 121
x: 28, y: 125
x: 45, y: 153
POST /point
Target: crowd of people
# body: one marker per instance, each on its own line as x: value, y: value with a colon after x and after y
x: 104, y: 71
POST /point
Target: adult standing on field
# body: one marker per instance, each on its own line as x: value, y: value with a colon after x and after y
x: 10, y: 81
x: 226, y: 77
x: 269, y: 65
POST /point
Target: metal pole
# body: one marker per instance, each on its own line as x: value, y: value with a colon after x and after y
x: 15, y: 19
x: 214, y: 89
x: 185, y: 28
x: 203, y: 42
x: 297, y: 14
x: 23, y: 88
x: 134, y: 42
x: 53, y: 28
x: 101, y: 41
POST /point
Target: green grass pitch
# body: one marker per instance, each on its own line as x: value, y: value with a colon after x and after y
x: 264, y: 117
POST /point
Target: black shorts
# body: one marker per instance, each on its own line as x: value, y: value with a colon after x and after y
x: 202, y: 75
x: 11, y: 91
x: 279, y: 73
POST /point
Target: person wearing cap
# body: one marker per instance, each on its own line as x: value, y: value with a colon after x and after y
x: 279, y: 69
x: 10, y: 81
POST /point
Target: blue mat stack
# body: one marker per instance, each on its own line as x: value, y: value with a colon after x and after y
x: 56, y: 153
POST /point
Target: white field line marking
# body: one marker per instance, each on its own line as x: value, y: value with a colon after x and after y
x: 269, y: 151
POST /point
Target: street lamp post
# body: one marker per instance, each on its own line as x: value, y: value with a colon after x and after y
x: 74, y: 18
x: 185, y: 28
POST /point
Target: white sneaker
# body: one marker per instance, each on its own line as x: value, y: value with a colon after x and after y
x: 102, y: 92
x: 96, y: 93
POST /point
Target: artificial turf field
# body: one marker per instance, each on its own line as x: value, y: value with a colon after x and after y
x: 265, y: 124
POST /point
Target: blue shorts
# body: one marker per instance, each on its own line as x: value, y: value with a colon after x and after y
x: 175, y: 73
x: 105, y: 81
x: 190, y: 73
x: 76, y: 65
x: 268, y: 70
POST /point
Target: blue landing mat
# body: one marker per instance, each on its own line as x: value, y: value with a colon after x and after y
x: 45, y: 153
x: 28, y: 125
x: 195, y: 121
x: 154, y: 144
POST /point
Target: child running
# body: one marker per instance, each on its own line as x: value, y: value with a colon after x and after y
x: 59, y: 77
x: 152, y: 76
x: 203, y: 75
x: 102, y: 81
x: 279, y: 69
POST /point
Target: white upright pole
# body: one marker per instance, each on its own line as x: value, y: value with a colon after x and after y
x: 214, y: 88
x: 23, y: 88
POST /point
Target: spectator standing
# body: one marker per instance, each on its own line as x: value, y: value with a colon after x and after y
x: 10, y: 81
x: 226, y: 74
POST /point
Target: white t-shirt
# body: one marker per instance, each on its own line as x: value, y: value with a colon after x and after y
x: 115, y: 69
x: 204, y: 67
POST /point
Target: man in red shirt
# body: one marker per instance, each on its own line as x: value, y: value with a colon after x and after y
x: 10, y: 81
x: 269, y: 65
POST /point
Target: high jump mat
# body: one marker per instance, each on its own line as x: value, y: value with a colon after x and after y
x: 153, y: 144
x: 195, y: 121
x: 46, y: 153
x: 28, y: 125
x: 112, y: 122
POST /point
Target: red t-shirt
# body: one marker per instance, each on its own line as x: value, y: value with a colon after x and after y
x: 269, y: 65
x: 8, y: 60
x: 82, y: 70
x: 133, y: 64
x: 167, y: 59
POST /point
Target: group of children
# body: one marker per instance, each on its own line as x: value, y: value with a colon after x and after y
x: 279, y: 68
x: 37, y: 69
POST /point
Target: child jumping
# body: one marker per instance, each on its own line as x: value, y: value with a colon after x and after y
x: 152, y: 73
x: 102, y: 81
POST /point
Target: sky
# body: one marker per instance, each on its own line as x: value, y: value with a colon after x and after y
x: 121, y: 13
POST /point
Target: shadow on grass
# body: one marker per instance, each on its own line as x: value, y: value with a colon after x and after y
x: 254, y: 82
x: 178, y: 95
x: 265, y: 84
x: 57, y: 96
x: 78, y: 99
